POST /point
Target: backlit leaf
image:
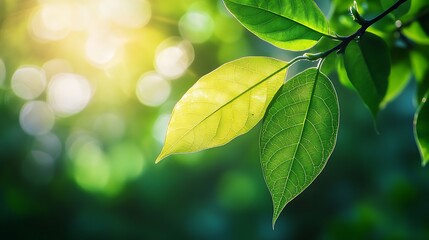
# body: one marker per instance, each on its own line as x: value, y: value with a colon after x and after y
x: 416, y: 32
x: 367, y: 63
x: 421, y: 130
x: 298, y: 135
x: 342, y: 75
x: 399, y: 76
x: 420, y: 65
x: 287, y: 24
x: 330, y: 62
x: 223, y: 104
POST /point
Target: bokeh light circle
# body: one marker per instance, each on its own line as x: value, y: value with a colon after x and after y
x: 91, y: 170
x: 152, y: 89
x: 52, y: 22
x: 68, y: 93
x: 103, y: 49
x: 173, y: 57
x: 110, y: 126
x: 130, y: 13
x: 196, y: 26
x: 48, y: 143
x: 56, y: 66
x: 36, y: 118
x: 28, y: 82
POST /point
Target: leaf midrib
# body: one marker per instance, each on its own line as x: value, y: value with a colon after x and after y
x: 227, y: 103
x: 277, y: 14
x: 300, y: 137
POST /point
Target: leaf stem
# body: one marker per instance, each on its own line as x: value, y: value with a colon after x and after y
x: 299, y: 58
x: 346, y: 40
x: 365, y: 24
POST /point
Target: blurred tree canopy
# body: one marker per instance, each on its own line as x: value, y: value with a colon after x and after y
x: 86, y: 92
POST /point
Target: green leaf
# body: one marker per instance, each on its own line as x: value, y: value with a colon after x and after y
x: 423, y: 86
x: 400, y: 75
x: 421, y: 130
x: 342, y: 75
x: 420, y: 65
x: 340, y: 20
x: 298, y: 135
x: 416, y: 33
x: 330, y: 62
x: 287, y: 24
x: 424, y: 20
x: 223, y: 104
x: 367, y: 63
x: 419, y: 62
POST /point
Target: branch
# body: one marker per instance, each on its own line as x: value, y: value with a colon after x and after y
x: 346, y: 40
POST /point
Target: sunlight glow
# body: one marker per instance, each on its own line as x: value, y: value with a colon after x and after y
x: 130, y: 13
x: 36, y: 118
x: 173, y: 57
x: 52, y: 22
x: 56, y: 66
x: 68, y: 93
x: 152, y: 89
x: 101, y: 50
x: 28, y: 82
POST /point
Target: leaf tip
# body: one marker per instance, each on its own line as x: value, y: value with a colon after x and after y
x: 161, y: 156
x: 424, y: 161
x: 275, y: 217
x: 274, y: 223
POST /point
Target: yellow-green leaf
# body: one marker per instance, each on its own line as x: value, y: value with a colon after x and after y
x: 223, y: 104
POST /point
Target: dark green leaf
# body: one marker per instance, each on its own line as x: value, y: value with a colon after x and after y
x: 367, y: 64
x: 424, y: 20
x: 287, y: 24
x: 298, y: 135
x: 421, y: 129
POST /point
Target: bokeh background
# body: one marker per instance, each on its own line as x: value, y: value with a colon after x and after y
x: 86, y: 92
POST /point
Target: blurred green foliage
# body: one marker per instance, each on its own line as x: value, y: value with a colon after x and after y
x: 85, y: 169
